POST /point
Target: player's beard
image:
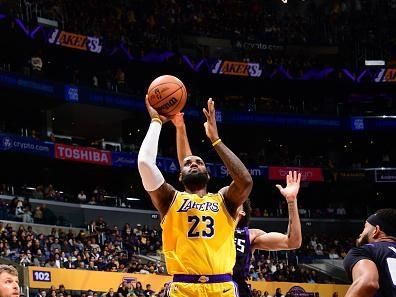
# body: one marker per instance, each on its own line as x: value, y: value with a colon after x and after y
x: 195, y: 180
x: 363, y: 240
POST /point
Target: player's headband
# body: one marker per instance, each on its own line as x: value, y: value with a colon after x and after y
x: 385, y: 227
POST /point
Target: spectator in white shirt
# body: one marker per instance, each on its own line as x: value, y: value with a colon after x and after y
x: 333, y: 254
x: 82, y: 197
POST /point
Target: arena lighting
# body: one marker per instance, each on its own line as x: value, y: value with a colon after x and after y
x: 374, y: 62
x: 30, y: 188
x: 47, y: 22
x: 378, y: 168
x: 381, y: 117
x: 132, y: 199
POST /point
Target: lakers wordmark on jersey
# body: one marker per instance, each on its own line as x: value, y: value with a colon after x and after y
x: 198, y: 235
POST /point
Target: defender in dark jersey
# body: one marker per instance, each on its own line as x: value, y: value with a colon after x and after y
x: 372, y: 264
x: 242, y: 262
x: 248, y: 240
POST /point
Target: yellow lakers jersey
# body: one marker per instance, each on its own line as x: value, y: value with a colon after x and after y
x: 198, y: 235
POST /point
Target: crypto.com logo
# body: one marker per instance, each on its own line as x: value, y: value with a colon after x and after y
x: 6, y: 143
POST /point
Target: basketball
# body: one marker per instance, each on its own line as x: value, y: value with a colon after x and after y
x: 167, y: 94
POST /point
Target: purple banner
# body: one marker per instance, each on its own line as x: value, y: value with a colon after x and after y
x: 11, y: 143
x: 120, y: 159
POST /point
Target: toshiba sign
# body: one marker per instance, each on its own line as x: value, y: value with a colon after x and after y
x: 307, y: 174
x: 82, y: 154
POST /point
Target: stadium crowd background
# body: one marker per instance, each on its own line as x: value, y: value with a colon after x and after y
x: 303, y: 36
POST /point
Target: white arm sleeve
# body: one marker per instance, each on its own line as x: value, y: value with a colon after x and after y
x: 151, y: 176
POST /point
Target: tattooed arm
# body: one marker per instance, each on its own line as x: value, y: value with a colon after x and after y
x: 239, y: 189
x: 277, y: 241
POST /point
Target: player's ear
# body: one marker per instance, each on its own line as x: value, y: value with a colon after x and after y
x: 180, y: 177
x: 376, y: 231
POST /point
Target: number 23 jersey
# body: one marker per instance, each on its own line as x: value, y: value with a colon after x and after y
x: 198, y: 235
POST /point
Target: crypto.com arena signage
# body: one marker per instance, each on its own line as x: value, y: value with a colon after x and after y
x: 13, y: 143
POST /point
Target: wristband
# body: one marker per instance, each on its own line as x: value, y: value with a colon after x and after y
x: 216, y: 142
x: 156, y: 119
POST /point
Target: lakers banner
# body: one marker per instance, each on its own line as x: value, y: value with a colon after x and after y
x: 76, y: 41
x: 237, y: 68
x: 386, y: 75
x: 75, y: 279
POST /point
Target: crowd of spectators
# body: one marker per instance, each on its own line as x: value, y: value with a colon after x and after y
x: 126, y: 289
x: 143, y: 26
x: 331, y: 211
x: 20, y: 209
x: 138, y: 290
x: 143, y: 240
x: 323, y: 246
x: 345, y: 161
x: 280, y: 271
x: 334, y: 151
x: 109, y: 248
x: 102, y: 248
x: 159, y: 24
x: 267, y: 267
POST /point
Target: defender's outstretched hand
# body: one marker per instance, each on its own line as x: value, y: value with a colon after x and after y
x: 178, y: 120
x: 292, y: 186
x: 210, y: 124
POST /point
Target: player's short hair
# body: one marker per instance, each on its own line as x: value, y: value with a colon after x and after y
x: 8, y: 269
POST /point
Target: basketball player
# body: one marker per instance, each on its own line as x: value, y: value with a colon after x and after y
x: 9, y: 281
x: 248, y: 240
x: 372, y: 263
x: 198, y: 226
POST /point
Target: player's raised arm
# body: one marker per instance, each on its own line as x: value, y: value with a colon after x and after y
x: 277, y: 241
x: 161, y: 193
x: 239, y: 189
x: 182, y: 143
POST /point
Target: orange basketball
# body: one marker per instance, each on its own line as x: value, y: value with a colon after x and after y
x: 167, y: 94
